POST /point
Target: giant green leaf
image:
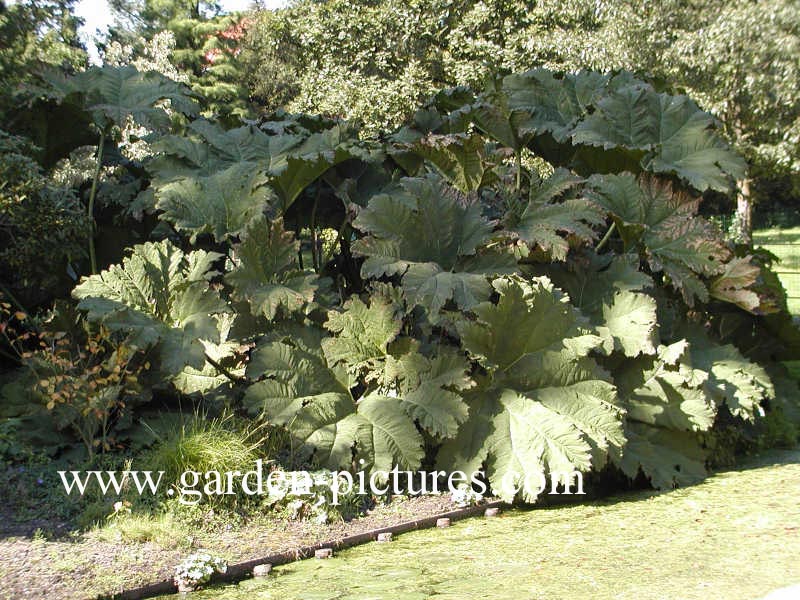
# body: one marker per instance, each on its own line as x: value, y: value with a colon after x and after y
x: 421, y: 231
x: 553, y: 105
x: 226, y: 354
x: 529, y: 441
x: 541, y: 224
x: 468, y: 450
x: 460, y: 158
x: 302, y: 394
x: 394, y: 439
x: 668, y: 401
x: 669, y: 458
x: 158, y: 295
x: 115, y: 94
x: 666, y: 226
x: 540, y: 317
x: 594, y: 122
x: 431, y: 389
x: 678, y: 135
x: 207, y: 148
x: 362, y: 333
x: 426, y: 388
x: 280, y: 167
x: 666, y: 390
x: 609, y: 290
x: 221, y: 204
x: 546, y: 407
x: 732, y: 379
x: 630, y: 116
x: 629, y: 323
x: 267, y: 274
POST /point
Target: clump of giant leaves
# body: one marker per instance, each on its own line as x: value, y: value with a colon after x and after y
x: 474, y: 312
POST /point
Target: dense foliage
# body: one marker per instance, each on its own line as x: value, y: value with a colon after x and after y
x: 35, y: 34
x: 375, y: 61
x: 518, y: 278
x: 203, y: 48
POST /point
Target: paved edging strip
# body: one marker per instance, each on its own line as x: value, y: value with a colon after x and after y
x: 243, y: 570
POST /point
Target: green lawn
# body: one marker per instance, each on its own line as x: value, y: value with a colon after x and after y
x: 784, y: 243
x: 734, y: 537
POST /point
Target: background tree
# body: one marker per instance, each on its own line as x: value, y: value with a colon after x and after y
x: 204, y: 48
x: 362, y: 61
x: 148, y: 17
x: 36, y: 34
x: 373, y: 61
x: 38, y: 217
x: 740, y: 60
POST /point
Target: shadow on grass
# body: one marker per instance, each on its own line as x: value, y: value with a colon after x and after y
x: 766, y: 237
x: 639, y: 491
x: 601, y: 491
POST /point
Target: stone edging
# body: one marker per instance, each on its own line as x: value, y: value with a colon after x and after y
x: 243, y: 570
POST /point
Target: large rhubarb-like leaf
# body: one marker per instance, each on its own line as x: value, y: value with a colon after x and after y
x: 609, y: 290
x: 267, y: 274
x: 423, y: 233
x: 221, y: 204
x: 287, y: 163
x: 546, y: 407
x: 430, y: 390
x: 667, y: 390
x: 115, y: 94
x: 362, y: 333
x: 666, y: 226
x: 461, y: 159
x: 160, y: 296
x: 732, y: 379
x: 678, y: 136
x: 302, y: 394
x: 553, y: 105
x: 394, y: 439
x: 667, y: 457
x: 541, y: 224
x: 667, y: 403
x: 601, y: 123
x: 226, y: 354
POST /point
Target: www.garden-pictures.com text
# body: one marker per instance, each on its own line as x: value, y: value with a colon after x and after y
x: 193, y: 485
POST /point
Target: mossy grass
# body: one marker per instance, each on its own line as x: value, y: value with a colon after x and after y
x: 734, y: 536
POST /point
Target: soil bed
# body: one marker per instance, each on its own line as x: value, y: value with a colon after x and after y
x: 87, y: 566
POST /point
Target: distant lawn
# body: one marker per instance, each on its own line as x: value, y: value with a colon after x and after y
x: 733, y: 537
x: 785, y: 244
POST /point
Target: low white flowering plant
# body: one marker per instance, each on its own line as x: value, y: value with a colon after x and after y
x: 312, y: 497
x: 464, y: 496
x: 196, y: 569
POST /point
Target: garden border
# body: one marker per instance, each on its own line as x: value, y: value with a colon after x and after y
x: 243, y: 570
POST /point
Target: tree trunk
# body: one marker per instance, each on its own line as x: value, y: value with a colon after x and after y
x: 744, y: 212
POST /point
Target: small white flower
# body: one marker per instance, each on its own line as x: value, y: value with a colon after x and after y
x: 198, y: 568
x: 465, y: 496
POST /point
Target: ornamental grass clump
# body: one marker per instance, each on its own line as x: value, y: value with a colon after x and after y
x: 219, y: 444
